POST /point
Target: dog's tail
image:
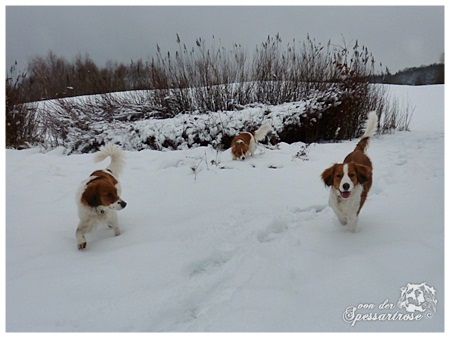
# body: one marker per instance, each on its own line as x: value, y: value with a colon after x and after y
x: 261, y: 132
x: 371, y: 124
x: 117, y: 158
x: 370, y: 130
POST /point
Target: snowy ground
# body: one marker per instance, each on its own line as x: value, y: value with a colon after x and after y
x: 211, y: 244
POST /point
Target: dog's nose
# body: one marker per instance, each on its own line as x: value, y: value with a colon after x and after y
x: 123, y: 204
x: 346, y: 186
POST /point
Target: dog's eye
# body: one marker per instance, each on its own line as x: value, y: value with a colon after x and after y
x: 338, y: 176
x: 351, y: 175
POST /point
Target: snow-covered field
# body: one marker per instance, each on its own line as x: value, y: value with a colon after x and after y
x: 211, y: 244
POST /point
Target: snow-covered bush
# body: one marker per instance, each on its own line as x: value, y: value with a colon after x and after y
x: 84, y: 124
x: 307, y: 92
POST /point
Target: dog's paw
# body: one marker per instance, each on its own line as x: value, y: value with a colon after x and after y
x: 82, y: 246
x: 351, y: 228
x: 116, y: 229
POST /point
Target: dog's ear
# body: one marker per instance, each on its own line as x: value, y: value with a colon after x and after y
x: 328, y: 175
x: 363, y: 173
x: 91, y: 196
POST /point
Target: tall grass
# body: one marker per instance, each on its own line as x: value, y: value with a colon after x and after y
x: 333, y: 80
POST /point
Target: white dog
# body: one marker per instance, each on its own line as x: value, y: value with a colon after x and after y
x: 98, y: 197
x: 351, y: 180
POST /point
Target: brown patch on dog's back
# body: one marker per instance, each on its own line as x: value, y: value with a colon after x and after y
x: 240, y: 144
x: 103, y: 175
x: 245, y: 137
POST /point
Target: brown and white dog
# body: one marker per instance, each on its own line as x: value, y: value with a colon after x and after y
x: 244, y: 144
x: 98, y: 197
x: 351, y: 180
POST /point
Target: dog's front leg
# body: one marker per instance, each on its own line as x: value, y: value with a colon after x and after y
x: 335, y: 206
x: 341, y: 217
x: 352, y: 223
x: 83, y: 228
x: 113, y: 222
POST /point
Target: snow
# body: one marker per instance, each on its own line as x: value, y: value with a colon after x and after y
x: 211, y: 244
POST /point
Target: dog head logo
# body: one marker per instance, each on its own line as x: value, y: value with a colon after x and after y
x: 417, y: 298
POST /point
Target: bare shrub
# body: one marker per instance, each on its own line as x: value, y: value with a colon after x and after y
x: 20, y: 128
x: 397, y: 115
x: 331, y: 81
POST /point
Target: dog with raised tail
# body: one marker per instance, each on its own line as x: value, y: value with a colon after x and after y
x: 243, y: 145
x: 98, y: 197
x: 351, y: 180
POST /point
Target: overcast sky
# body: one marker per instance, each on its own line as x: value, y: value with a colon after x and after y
x: 399, y: 37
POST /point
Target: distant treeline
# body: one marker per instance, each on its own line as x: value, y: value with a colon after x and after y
x: 415, y: 76
x: 203, y: 65
x: 52, y: 76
